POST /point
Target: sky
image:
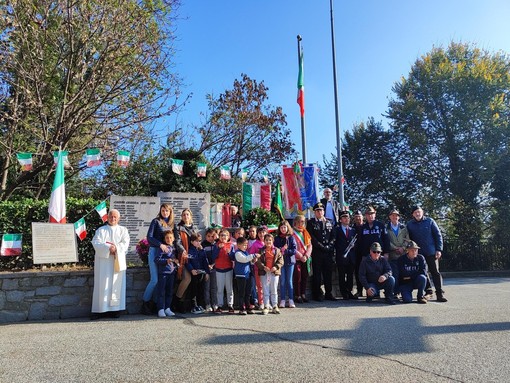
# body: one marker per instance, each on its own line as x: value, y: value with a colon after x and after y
x: 376, y: 43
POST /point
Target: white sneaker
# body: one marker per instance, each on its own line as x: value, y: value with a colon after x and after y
x: 161, y: 313
x: 208, y: 308
x: 282, y: 304
x: 292, y: 304
x: 169, y: 313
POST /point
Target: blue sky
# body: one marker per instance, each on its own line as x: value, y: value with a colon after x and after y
x: 377, y: 42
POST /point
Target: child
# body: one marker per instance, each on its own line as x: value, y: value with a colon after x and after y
x: 252, y: 235
x: 254, y: 248
x: 210, y: 298
x: 270, y: 264
x: 224, y: 271
x: 167, y: 265
x: 287, y: 245
x: 238, y: 232
x: 242, y: 274
x: 199, y: 269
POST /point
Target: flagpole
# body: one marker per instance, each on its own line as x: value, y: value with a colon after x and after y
x: 337, y: 117
x: 303, y: 130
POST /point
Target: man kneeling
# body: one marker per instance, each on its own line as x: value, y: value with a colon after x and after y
x: 413, y: 274
x: 375, y: 275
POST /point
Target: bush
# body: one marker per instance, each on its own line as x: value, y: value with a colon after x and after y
x: 17, y: 217
x: 259, y: 216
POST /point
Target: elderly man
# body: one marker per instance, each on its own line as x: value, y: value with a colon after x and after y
x: 331, y: 207
x: 398, y: 238
x: 323, y: 247
x: 375, y: 275
x: 413, y: 274
x: 111, y: 243
x: 372, y: 231
x: 425, y: 232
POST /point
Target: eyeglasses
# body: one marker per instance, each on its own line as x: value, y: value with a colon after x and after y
x: 223, y: 235
x: 376, y: 252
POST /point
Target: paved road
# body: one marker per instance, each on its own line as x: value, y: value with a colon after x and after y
x: 464, y: 340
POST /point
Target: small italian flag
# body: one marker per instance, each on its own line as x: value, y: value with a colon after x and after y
x: 201, y: 169
x: 178, y: 166
x: 256, y: 195
x: 65, y: 159
x: 123, y: 157
x: 101, y: 210
x: 93, y: 157
x: 80, y: 228
x: 25, y: 160
x: 225, y: 173
x: 244, y: 174
x: 57, y: 206
x: 11, y: 244
x: 265, y: 176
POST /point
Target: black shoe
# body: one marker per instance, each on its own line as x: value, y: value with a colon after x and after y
x: 359, y: 294
x: 441, y: 298
x: 369, y: 299
x: 319, y: 298
x: 146, y: 309
x: 114, y: 314
x: 390, y: 301
x: 352, y: 296
x: 95, y: 316
x: 346, y: 297
x: 330, y: 297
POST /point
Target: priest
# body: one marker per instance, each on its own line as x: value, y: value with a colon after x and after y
x: 111, y: 243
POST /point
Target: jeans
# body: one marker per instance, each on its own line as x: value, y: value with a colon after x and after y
x: 210, y: 296
x: 387, y: 286
x: 395, y: 272
x: 407, y: 288
x: 165, y: 290
x: 153, y: 270
x: 286, y: 282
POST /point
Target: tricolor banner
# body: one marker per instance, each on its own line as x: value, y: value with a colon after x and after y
x: 244, y: 174
x: 80, y: 228
x: 225, y: 173
x: 201, y: 169
x: 65, y: 159
x: 25, y: 160
x: 57, y: 206
x: 256, y: 195
x: 301, y: 86
x: 178, y: 166
x: 300, y: 190
x: 11, y: 244
x: 101, y: 210
x: 123, y: 157
x: 93, y: 157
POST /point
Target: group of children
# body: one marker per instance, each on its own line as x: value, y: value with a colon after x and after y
x: 219, y: 263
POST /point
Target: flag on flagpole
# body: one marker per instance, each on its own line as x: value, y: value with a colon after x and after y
x: 265, y: 176
x: 201, y: 169
x: 25, y: 160
x: 65, y: 159
x: 301, y: 86
x: 80, y: 228
x: 178, y: 166
x: 278, y: 202
x: 101, y: 210
x: 57, y: 207
x: 244, y: 174
x: 256, y: 195
x: 226, y: 215
x: 225, y: 173
x: 93, y: 157
x: 11, y: 244
x: 123, y: 157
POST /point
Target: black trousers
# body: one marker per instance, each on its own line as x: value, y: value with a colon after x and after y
x: 433, y: 265
x: 244, y: 292
x: 322, y: 266
x: 345, y: 277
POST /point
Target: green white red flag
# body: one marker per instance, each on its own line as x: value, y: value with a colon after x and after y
x: 57, y: 206
x: 301, y: 86
x: 201, y: 169
x: 101, y: 210
x: 256, y: 195
x: 65, y: 159
x: 265, y: 176
x: 178, y: 166
x: 225, y: 173
x: 244, y: 174
x: 123, y: 157
x: 25, y: 160
x: 11, y: 244
x: 80, y: 229
x: 93, y: 157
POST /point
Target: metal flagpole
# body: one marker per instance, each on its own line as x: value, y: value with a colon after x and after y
x: 337, y: 117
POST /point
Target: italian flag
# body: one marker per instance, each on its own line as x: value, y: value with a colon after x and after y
x: 57, y: 207
x: 256, y: 195
x: 301, y: 86
x: 11, y: 244
x: 25, y: 160
x: 201, y: 169
x: 101, y: 210
x: 65, y: 159
x: 93, y: 157
x: 178, y: 166
x: 123, y: 157
x: 244, y: 174
x: 80, y: 229
x: 225, y: 173
x: 265, y: 176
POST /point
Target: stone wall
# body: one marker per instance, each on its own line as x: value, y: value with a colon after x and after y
x: 59, y: 294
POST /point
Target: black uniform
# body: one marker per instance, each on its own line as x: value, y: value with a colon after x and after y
x: 323, y: 248
x: 345, y: 265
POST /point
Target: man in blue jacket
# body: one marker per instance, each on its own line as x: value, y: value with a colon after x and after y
x: 413, y: 274
x: 425, y: 232
x: 375, y: 275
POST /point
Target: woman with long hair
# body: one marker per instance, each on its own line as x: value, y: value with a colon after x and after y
x: 303, y: 257
x: 287, y: 245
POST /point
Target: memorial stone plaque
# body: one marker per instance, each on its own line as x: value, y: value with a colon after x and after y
x: 53, y: 243
x: 136, y: 214
x: 198, y: 203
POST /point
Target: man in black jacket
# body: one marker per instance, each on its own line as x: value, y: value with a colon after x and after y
x: 331, y: 207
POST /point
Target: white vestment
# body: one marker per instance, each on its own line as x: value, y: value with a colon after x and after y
x: 109, y: 286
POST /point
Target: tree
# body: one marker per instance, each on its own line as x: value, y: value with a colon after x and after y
x: 80, y: 74
x: 242, y: 131
x: 453, y: 113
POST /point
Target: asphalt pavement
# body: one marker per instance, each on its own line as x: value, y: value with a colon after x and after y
x: 463, y: 340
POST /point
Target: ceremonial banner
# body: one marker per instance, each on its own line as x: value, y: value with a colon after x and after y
x: 301, y: 190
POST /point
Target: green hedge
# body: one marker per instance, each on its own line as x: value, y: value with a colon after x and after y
x: 17, y: 217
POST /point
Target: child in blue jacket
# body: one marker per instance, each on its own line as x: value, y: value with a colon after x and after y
x: 167, y: 264
x: 198, y: 266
